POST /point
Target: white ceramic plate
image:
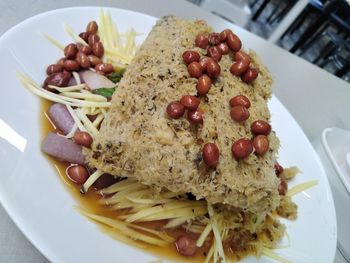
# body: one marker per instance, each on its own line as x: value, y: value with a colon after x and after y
x: 35, y: 198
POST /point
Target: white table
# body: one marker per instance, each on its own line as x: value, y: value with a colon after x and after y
x: 317, y: 100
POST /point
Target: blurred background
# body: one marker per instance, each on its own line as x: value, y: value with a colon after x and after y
x: 316, y: 30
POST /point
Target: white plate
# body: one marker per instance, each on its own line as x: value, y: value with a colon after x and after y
x: 43, y: 209
x: 333, y: 148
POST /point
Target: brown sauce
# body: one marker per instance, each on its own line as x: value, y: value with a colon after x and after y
x: 89, y: 202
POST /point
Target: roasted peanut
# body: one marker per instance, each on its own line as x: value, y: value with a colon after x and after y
x: 260, y: 127
x: 214, y: 38
x: 190, y: 56
x: 215, y: 53
x: 84, y: 49
x: 104, y: 67
x: 239, y: 67
x: 233, y: 42
x: 59, y: 79
x: 240, y: 55
x: 242, y: 148
x: 82, y: 138
x: 196, y: 116
x: 83, y: 60
x: 92, y: 27
x: 54, y: 68
x: 195, y: 69
x: 278, y: 169
x: 77, y: 173
x: 175, y: 110
x: 70, y: 51
x: 201, y: 41
x: 224, y: 49
x: 93, y: 39
x: 210, y: 154
x: 213, y: 69
x: 84, y: 36
x: 190, y: 102
x: 240, y: 100
x: 204, y: 62
x: 261, y: 144
x: 250, y: 75
x: 239, y: 113
x: 282, y: 187
x: 98, y: 49
x: 224, y: 33
x: 71, y: 65
x: 94, y: 60
x: 61, y: 61
x: 203, y: 85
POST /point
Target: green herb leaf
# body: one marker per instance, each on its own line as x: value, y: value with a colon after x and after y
x: 105, y: 92
x: 116, y: 76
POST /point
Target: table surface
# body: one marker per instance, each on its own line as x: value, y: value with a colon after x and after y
x: 317, y: 99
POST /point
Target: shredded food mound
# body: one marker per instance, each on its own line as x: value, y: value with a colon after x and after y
x: 138, y: 140
x: 235, y: 202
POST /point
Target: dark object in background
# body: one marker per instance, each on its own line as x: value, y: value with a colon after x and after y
x: 335, y: 9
